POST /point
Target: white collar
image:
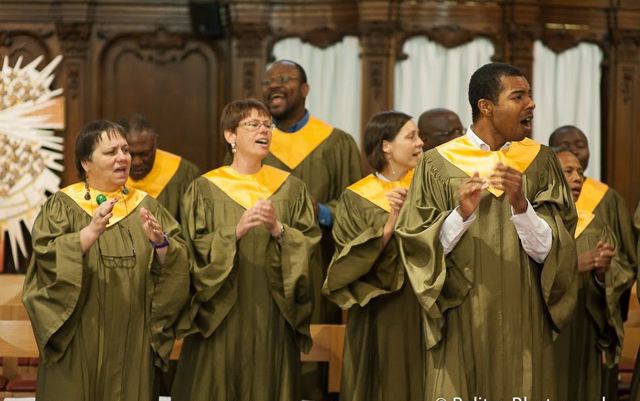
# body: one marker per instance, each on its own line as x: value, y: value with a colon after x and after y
x: 476, y: 140
x: 382, y: 177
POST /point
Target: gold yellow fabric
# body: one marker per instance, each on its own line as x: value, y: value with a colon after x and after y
x: 293, y: 148
x: 247, y: 189
x: 164, y: 167
x: 125, y: 205
x: 374, y: 189
x: 584, y: 218
x: 468, y: 157
x: 592, y: 193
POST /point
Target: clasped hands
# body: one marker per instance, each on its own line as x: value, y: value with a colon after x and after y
x: 262, y: 212
x: 503, y: 178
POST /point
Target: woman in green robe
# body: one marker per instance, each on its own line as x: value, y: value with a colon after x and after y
x: 590, y: 344
x: 252, y: 231
x: 382, y: 353
x: 107, y: 280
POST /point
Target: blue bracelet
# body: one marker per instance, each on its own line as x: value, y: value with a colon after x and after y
x: 163, y: 244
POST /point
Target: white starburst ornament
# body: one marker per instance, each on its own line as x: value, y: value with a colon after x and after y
x: 29, y: 150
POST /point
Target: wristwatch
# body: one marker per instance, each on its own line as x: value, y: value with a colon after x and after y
x: 163, y: 244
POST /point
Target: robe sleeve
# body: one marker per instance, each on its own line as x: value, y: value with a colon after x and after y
x: 348, y: 167
x: 559, y: 279
x: 438, y: 287
x: 170, y: 290
x: 54, y: 279
x: 213, y: 287
x: 362, y: 267
x: 603, y: 304
x: 288, y: 274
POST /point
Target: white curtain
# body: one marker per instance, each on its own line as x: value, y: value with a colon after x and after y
x: 334, y: 77
x: 566, y: 89
x: 434, y: 76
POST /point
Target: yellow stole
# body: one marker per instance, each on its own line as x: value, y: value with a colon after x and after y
x: 125, y: 205
x: 164, y: 168
x: 464, y: 154
x: 374, y: 189
x: 247, y: 189
x: 590, y: 196
x: 292, y: 148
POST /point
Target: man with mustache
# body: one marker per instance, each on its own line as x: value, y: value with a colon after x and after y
x: 325, y: 158
x: 608, y: 206
x: 607, y: 203
x: 589, y: 346
x: 486, y: 238
x: 438, y: 126
x: 163, y: 175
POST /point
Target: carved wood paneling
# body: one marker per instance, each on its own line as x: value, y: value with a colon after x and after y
x: 172, y: 79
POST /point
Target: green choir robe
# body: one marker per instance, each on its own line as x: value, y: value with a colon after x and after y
x: 102, y: 320
x: 590, y: 344
x: 382, y: 351
x: 490, y: 311
x: 251, y: 302
x: 635, y: 383
x: 330, y: 168
x: 613, y: 211
x: 171, y: 195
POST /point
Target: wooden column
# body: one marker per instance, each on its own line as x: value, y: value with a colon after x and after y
x: 74, y: 42
x: 623, y: 123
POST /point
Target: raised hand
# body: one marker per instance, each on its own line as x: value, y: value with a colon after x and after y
x: 509, y: 180
x: 260, y: 213
x: 470, y: 192
x: 597, y: 259
x: 151, y: 226
x: 97, y: 225
x: 396, y: 199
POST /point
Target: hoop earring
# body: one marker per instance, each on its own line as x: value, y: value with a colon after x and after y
x: 87, y: 194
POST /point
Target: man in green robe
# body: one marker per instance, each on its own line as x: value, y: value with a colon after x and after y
x: 487, y: 241
x: 103, y: 320
x: 325, y: 158
x: 438, y: 126
x: 163, y: 175
x: 589, y: 346
x: 610, y: 207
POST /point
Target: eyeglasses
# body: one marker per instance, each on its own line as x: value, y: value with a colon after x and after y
x: 455, y: 132
x: 254, y: 125
x: 279, y: 80
x: 120, y: 261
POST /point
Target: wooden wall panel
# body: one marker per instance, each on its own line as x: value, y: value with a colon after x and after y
x: 142, y: 56
x: 175, y: 82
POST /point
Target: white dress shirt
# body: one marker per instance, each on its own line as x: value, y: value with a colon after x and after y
x: 535, y: 234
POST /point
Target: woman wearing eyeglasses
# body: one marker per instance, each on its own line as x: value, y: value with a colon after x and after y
x: 252, y: 230
x: 107, y: 279
x: 383, y: 353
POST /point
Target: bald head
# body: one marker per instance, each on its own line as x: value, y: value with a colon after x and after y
x: 573, y: 139
x: 438, y: 126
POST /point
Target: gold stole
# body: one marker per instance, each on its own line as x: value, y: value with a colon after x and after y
x: 125, y: 205
x: 374, y: 189
x: 247, y: 189
x: 164, y: 168
x: 590, y: 196
x: 464, y: 154
x: 292, y: 148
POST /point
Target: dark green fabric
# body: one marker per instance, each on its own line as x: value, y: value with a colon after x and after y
x: 383, y: 354
x: 102, y: 323
x: 171, y: 195
x: 489, y: 310
x: 595, y: 329
x: 251, y: 303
